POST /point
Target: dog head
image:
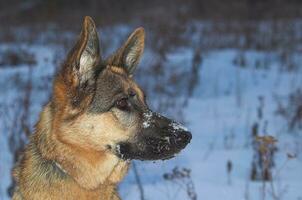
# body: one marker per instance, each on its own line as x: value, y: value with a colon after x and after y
x: 100, y: 108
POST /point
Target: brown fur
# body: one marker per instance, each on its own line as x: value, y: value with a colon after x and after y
x: 85, y: 178
x: 66, y: 157
x: 93, y: 125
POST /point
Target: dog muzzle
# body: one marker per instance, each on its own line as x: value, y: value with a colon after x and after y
x: 159, y: 138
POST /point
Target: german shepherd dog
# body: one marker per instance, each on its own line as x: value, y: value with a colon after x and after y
x: 96, y: 122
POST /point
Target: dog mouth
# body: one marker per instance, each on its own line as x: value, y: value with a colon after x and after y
x: 160, y: 139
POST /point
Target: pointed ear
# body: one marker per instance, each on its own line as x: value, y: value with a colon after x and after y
x: 128, y: 56
x: 84, y: 55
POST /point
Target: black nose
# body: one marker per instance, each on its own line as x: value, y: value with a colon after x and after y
x: 183, y: 138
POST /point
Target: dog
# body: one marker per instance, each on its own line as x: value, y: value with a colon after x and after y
x: 95, y: 123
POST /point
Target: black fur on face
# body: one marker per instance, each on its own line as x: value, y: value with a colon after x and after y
x: 159, y: 138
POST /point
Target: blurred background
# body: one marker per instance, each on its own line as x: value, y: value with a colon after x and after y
x: 230, y: 70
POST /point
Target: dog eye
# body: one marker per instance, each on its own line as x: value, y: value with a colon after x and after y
x: 122, y: 104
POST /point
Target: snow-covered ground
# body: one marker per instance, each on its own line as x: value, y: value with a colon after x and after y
x: 220, y: 115
x: 225, y: 106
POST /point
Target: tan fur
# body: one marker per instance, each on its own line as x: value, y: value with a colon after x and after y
x: 118, y: 70
x: 68, y: 156
x: 90, y: 173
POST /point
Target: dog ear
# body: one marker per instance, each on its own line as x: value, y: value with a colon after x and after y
x: 128, y: 56
x: 84, y: 56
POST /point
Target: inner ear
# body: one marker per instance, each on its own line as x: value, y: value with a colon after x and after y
x: 85, y: 54
x: 128, y: 56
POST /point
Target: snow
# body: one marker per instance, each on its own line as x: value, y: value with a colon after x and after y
x: 177, y: 126
x: 219, y: 110
x: 147, y: 119
x: 219, y: 115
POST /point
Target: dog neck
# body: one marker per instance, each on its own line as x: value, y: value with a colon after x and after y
x: 49, y: 181
x: 89, y: 169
